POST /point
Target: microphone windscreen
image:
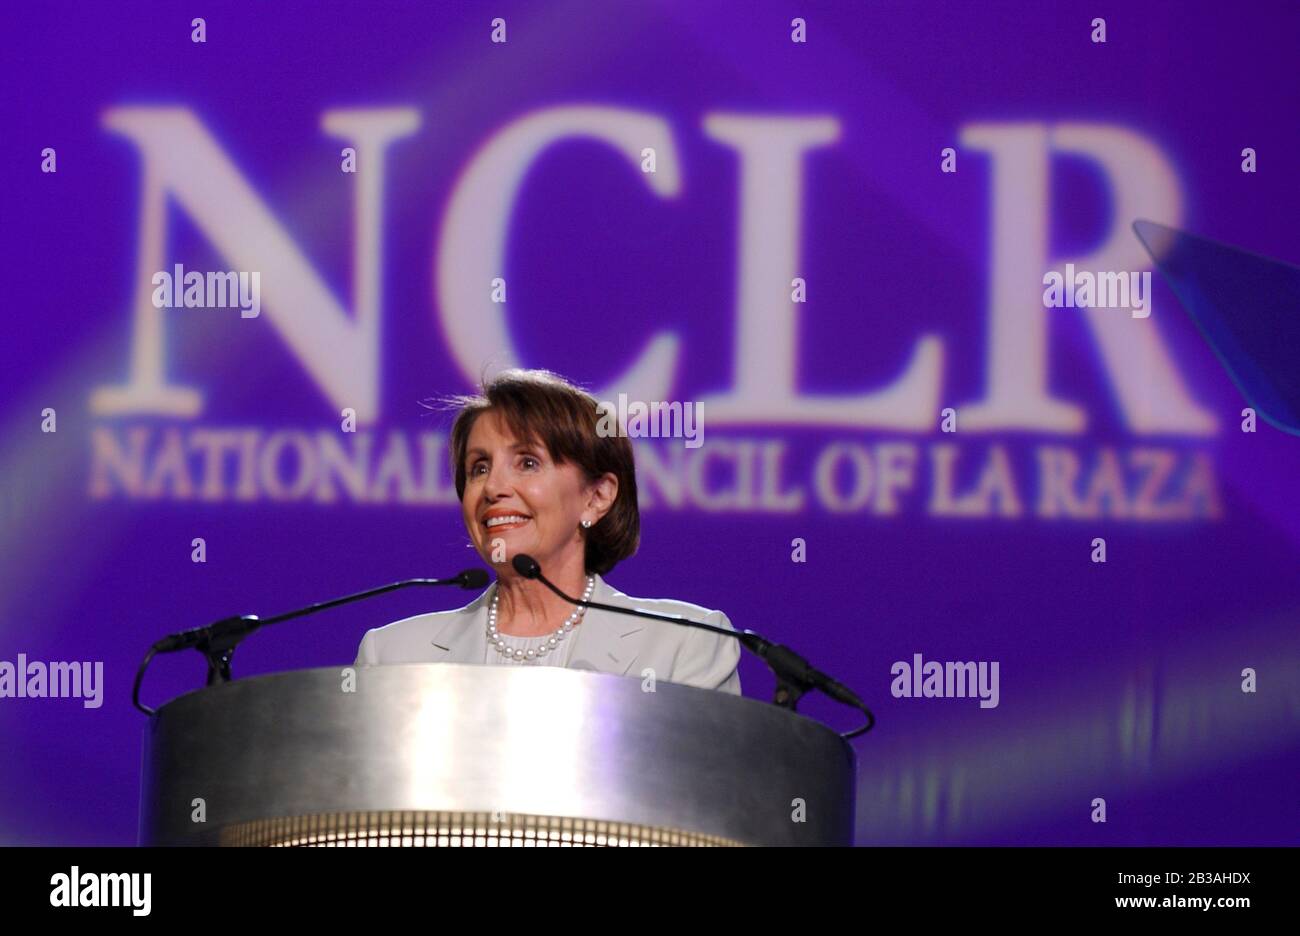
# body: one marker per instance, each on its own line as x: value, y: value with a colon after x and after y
x: 473, y: 578
x: 526, y: 566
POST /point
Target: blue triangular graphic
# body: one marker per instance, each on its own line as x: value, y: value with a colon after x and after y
x: 1246, y: 306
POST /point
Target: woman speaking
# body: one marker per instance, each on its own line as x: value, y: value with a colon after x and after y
x: 535, y: 477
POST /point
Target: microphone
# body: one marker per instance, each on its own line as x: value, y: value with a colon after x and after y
x: 473, y: 579
x: 527, y: 566
x: 794, y: 675
x: 217, y: 641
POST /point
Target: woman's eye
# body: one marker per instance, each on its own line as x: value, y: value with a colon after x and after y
x: 478, y: 465
x: 530, y: 462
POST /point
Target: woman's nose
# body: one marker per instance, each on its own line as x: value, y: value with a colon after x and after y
x: 496, y: 484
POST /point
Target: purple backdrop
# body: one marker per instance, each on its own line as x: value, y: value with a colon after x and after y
x: 771, y: 160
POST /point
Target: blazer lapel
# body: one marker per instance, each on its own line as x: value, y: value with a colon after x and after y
x: 609, y: 642
x: 462, y: 637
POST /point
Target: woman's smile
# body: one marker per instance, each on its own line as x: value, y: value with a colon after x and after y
x: 499, y: 521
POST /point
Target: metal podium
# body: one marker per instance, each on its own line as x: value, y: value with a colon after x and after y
x: 448, y: 754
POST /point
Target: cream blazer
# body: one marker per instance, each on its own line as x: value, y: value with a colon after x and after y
x: 604, y: 642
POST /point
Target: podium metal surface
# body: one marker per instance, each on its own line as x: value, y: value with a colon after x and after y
x: 438, y: 754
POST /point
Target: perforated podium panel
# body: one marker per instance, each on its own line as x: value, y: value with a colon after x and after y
x: 453, y: 755
x: 455, y: 830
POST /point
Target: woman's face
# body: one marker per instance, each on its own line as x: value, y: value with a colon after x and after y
x: 518, y: 500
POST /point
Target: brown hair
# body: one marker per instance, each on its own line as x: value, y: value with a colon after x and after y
x: 540, y: 406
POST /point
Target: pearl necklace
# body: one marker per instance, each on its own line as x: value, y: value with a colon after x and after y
x: 497, y: 640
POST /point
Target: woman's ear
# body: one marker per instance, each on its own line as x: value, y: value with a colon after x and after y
x: 603, y: 493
